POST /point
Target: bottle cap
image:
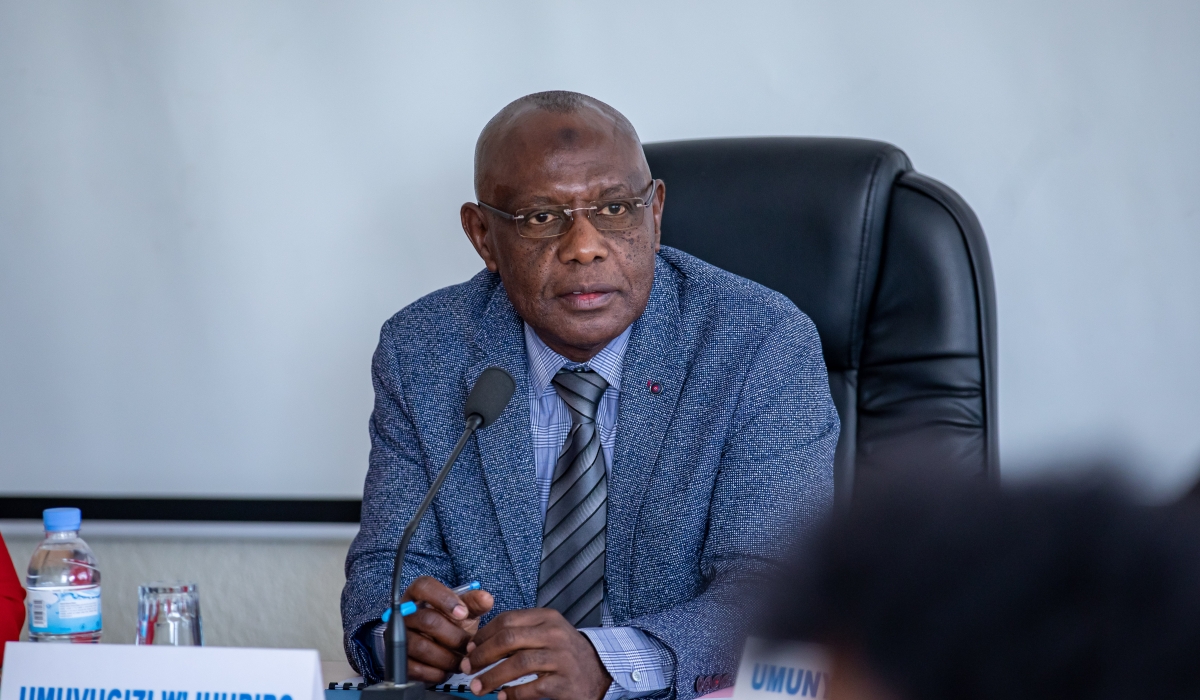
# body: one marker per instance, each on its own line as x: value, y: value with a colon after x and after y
x: 61, y: 519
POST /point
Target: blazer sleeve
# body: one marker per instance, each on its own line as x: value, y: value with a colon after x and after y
x: 397, y: 479
x: 12, y: 600
x: 774, y: 482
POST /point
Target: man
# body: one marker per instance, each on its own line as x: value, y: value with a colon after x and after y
x: 671, y: 429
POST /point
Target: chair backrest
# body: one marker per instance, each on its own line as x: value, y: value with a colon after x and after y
x: 891, y: 265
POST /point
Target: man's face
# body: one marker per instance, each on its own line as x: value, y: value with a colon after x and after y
x: 581, y: 289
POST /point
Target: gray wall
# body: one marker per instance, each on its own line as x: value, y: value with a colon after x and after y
x: 207, y: 209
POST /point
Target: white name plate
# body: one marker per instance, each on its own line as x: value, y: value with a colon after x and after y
x: 777, y: 670
x: 42, y: 671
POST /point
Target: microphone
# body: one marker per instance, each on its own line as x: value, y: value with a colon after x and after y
x: 485, y: 403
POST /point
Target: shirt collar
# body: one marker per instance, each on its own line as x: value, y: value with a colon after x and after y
x: 544, y: 363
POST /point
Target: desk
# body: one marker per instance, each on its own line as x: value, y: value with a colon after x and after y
x: 336, y: 672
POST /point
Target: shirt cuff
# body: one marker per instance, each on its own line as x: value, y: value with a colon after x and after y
x: 370, y: 640
x: 638, y: 663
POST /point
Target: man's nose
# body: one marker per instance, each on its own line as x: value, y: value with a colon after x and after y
x: 582, y: 243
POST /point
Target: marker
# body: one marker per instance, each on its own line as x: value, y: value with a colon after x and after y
x: 408, y: 607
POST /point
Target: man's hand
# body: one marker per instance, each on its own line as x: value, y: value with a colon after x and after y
x: 442, y: 627
x: 538, y: 641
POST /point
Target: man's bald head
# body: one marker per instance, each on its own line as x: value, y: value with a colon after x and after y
x: 562, y: 156
x: 508, y: 132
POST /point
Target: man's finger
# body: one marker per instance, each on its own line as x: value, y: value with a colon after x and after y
x: 442, y: 630
x: 506, y: 642
x: 434, y: 593
x: 479, y: 603
x: 546, y: 686
x: 418, y: 671
x: 431, y: 653
x: 521, y: 663
x: 511, y: 619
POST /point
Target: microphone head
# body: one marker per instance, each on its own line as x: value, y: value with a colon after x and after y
x: 492, y: 391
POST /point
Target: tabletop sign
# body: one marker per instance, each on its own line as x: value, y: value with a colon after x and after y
x: 44, y: 671
x: 773, y: 670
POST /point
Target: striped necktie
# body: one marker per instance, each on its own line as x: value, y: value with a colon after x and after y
x: 571, y: 579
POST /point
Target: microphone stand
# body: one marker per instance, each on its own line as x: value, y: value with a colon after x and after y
x: 397, y: 686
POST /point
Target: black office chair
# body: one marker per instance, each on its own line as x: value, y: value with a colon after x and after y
x: 892, y: 266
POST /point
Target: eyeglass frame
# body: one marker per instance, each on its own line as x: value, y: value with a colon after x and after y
x: 569, y: 212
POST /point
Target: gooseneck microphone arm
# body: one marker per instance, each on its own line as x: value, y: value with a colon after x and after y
x: 484, y: 405
x: 398, y: 654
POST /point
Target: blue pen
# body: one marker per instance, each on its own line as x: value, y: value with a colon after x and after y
x: 408, y: 607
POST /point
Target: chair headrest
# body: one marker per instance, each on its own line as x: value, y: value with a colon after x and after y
x: 803, y: 216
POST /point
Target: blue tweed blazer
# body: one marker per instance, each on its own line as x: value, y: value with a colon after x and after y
x: 711, y: 478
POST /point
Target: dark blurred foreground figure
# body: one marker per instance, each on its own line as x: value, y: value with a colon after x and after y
x: 980, y: 594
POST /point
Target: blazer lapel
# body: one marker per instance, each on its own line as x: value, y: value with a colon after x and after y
x: 506, y: 446
x: 642, y: 419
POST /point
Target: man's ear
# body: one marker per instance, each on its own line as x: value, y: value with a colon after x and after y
x: 660, y: 199
x: 475, y: 225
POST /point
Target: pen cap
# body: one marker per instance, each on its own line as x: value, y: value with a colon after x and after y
x: 406, y: 608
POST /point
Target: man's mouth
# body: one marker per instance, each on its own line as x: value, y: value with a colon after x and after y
x: 588, y: 298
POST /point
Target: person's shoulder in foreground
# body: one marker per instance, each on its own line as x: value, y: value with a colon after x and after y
x: 941, y: 590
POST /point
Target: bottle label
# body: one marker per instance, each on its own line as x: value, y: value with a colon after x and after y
x: 64, y: 610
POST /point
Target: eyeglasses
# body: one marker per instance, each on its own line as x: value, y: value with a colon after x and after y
x: 548, y: 221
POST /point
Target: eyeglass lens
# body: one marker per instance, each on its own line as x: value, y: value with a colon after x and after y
x: 611, y: 215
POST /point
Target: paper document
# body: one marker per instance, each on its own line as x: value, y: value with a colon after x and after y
x: 461, y: 682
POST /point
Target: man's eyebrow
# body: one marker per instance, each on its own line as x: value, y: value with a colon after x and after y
x: 621, y: 189
x: 618, y: 190
x: 534, y: 200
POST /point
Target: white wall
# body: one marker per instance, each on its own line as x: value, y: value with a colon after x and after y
x: 207, y: 209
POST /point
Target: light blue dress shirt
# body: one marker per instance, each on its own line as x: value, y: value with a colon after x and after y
x: 638, y: 663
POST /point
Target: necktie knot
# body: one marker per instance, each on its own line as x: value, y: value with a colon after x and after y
x: 581, y: 391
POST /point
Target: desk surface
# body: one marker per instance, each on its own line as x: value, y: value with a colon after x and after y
x: 336, y: 672
x: 340, y: 671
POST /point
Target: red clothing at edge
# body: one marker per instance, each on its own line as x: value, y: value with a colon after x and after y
x: 12, y: 599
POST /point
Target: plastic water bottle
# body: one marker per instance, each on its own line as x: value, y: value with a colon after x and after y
x: 63, y: 584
